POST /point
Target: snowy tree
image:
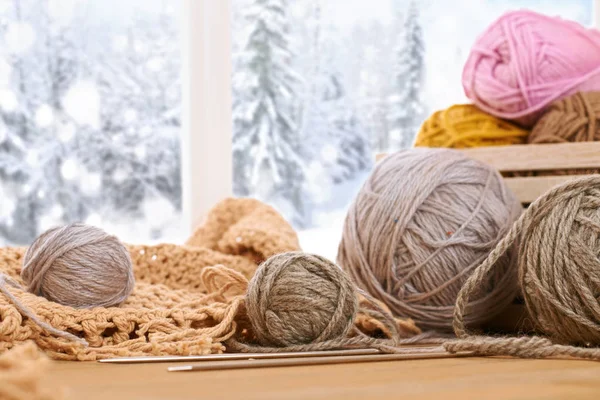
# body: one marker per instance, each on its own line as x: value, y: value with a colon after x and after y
x: 373, y: 76
x: 407, y: 109
x: 267, y: 150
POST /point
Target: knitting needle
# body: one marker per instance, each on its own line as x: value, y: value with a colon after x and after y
x: 238, y: 356
x: 293, y: 362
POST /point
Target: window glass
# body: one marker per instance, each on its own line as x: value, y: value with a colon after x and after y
x: 321, y: 86
x: 90, y: 104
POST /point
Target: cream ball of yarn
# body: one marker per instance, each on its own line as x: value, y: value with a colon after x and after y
x: 420, y: 225
x: 80, y: 266
x: 298, y: 298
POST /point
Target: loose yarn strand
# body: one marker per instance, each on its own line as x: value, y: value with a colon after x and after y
x: 6, y: 281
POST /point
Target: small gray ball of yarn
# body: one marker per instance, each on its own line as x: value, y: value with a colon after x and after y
x: 80, y: 266
x: 297, y: 298
x: 420, y: 225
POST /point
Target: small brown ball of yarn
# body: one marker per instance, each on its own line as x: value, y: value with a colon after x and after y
x: 422, y: 222
x: 573, y: 119
x: 297, y: 298
x: 79, y: 266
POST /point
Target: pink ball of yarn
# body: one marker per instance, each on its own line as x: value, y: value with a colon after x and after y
x: 524, y: 61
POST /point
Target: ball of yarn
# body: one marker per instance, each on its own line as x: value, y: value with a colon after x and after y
x: 573, y: 119
x: 524, y: 61
x: 465, y: 125
x: 297, y: 298
x: 419, y: 226
x: 559, y: 266
x: 79, y: 266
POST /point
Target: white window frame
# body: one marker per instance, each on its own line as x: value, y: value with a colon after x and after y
x: 207, y: 122
x: 206, y: 160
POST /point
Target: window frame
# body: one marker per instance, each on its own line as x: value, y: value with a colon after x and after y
x: 206, y: 138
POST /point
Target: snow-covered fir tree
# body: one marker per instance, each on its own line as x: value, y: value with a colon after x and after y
x: 267, y: 155
x: 373, y: 77
x: 407, y: 109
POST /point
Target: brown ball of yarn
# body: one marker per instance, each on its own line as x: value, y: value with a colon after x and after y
x: 419, y: 226
x: 559, y: 271
x: 79, y: 266
x: 573, y: 119
x: 559, y: 268
x: 297, y: 298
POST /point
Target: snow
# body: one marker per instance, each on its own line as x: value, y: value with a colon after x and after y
x: 119, y: 175
x: 8, y: 100
x: 7, y: 204
x: 19, y: 37
x: 5, y: 73
x: 155, y: 64
x: 44, y: 116
x: 329, y: 217
x: 66, y: 132
x: 159, y: 211
x: 140, y: 151
x: 120, y: 43
x: 69, y: 169
x: 62, y: 11
x: 82, y: 103
x: 90, y: 183
x: 94, y: 219
x: 130, y: 115
x: 33, y: 158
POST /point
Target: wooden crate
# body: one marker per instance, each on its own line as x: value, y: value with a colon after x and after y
x: 537, y: 157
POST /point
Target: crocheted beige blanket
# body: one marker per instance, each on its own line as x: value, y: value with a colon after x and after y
x: 183, y: 301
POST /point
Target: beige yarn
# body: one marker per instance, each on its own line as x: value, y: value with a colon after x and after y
x: 298, y: 298
x: 21, y: 375
x: 421, y: 223
x: 182, y: 302
x: 80, y: 266
x: 559, y: 271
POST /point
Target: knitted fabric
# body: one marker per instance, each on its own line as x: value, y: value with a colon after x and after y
x: 21, y: 375
x: 179, y: 306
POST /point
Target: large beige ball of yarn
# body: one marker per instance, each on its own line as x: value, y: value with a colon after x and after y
x: 422, y: 222
x: 79, y: 266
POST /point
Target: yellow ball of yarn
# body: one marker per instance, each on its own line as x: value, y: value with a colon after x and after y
x: 465, y: 125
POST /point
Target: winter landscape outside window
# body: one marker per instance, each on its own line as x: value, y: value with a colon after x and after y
x: 321, y: 86
x: 90, y: 102
x: 91, y: 93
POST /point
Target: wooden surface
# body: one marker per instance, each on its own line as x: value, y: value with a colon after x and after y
x: 535, y: 157
x: 473, y: 378
x: 539, y: 157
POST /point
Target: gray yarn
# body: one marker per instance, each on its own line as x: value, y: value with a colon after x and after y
x: 79, y: 266
x: 421, y: 223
